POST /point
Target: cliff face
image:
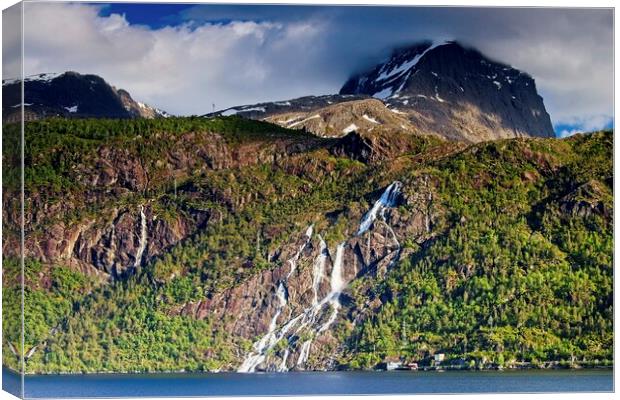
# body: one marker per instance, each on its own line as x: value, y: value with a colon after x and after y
x: 110, y: 242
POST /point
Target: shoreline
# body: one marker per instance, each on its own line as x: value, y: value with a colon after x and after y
x: 428, y: 369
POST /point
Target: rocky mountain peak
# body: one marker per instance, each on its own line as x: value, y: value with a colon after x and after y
x: 71, y: 94
x: 457, y: 92
x: 387, y: 78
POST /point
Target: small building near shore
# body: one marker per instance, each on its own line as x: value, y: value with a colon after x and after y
x: 391, y: 363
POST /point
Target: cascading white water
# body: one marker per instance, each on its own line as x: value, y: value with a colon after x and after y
x: 312, y: 316
x: 273, y: 336
x: 318, y: 270
x: 387, y: 199
x: 283, y: 367
x: 255, y: 358
x: 281, y: 294
x: 337, y: 285
x: 143, y: 239
x: 337, y: 282
x: 308, y: 317
x: 304, y: 353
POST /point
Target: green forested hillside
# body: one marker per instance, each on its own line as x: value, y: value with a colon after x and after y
x: 517, y: 266
x: 523, y: 270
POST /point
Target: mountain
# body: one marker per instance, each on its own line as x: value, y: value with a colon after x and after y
x: 456, y: 92
x: 441, y: 89
x: 230, y: 244
x: 69, y: 95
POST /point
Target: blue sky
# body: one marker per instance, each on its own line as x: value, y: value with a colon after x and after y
x: 156, y: 15
x: 185, y: 57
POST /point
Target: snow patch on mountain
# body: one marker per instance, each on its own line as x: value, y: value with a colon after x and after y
x: 44, y: 77
x: 401, y: 70
x: 315, y: 116
x: 350, y: 128
x: 370, y: 119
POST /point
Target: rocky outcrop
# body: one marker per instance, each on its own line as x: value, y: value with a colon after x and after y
x: 299, y: 105
x: 110, y: 247
x: 356, y: 147
x: 337, y: 120
x: 587, y: 200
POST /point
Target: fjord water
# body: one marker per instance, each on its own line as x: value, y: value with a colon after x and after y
x: 311, y: 383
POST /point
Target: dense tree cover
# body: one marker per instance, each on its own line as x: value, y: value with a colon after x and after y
x: 522, y: 270
x: 47, y: 302
x: 519, y: 266
x: 54, y: 146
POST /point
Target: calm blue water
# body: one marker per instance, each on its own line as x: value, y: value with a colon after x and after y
x: 310, y: 383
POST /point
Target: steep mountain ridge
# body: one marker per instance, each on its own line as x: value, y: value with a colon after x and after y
x: 389, y: 77
x: 70, y: 95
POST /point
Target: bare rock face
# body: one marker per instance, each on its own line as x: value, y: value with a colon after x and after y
x: 110, y: 248
x: 456, y: 92
x: 304, y: 104
x: 586, y: 201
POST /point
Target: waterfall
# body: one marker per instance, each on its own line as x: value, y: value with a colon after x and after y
x: 318, y: 270
x: 273, y: 335
x: 307, y: 317
x: 387, y: 199
x: 254, y: 359
x: 143, y: 239
x: 304, y: 353
x: 282, y: 367
x: 315, y: 318
x: 337, y: 285
x: 281, y: 295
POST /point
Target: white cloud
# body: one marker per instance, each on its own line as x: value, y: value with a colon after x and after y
x: 11, y: 45
x: 312, y: 50
x: 585, y: 124
x: 182, y: 69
